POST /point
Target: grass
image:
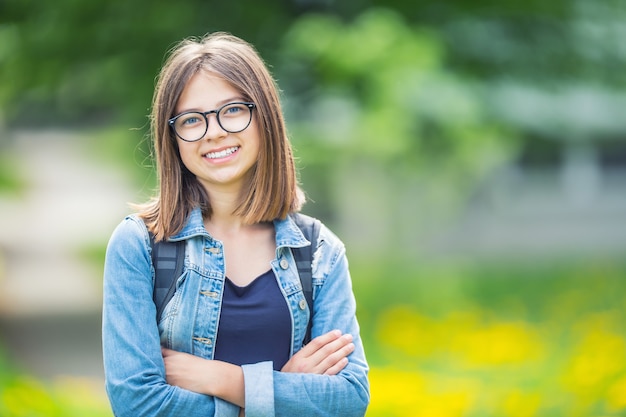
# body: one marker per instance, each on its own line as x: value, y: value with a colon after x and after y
x: 24, y: 396
x: 496, y: 340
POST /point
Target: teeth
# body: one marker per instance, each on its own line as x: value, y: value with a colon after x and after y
x: 221, y: 154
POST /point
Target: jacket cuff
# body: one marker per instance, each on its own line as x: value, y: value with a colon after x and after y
x: 226, y: 409
x: 259, y: 389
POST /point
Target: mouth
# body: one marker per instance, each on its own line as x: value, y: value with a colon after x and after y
x: 222, y: 154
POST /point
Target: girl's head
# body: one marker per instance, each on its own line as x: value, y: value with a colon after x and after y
x: 272, y: 191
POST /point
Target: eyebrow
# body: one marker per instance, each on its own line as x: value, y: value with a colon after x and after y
x: 219, y: 104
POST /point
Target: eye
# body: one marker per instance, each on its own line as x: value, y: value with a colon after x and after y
x: 190, y: 120
x: 233, y: 109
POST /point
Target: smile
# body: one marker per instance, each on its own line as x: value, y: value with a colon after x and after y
x: 222, y: 154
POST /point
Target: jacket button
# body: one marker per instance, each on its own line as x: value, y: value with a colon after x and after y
x: 284, y: 264
x: 302, y: 304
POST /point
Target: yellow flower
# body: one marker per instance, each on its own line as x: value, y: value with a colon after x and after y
x: 521, y: 404
x: 504, y: 343
x: 402, y: 329
x: 394, y: 391
x: 616, y: 395
x: 404, y: 393
x: 598, y: 357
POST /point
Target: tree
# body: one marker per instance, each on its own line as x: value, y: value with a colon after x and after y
x: 375, y: 108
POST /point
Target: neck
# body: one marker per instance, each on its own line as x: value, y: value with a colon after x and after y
x: 222, y: 221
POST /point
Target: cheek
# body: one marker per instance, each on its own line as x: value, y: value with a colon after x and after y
x: 255, y: 141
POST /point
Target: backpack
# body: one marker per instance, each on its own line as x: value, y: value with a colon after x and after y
x: 168, y: 259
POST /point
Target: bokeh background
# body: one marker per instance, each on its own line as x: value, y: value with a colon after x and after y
x: 472, y: 156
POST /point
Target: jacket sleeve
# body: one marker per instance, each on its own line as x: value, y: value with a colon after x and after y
x: 291, y: 394
x: 133, y: 365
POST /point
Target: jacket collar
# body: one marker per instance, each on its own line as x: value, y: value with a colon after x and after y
x: 287, y: 232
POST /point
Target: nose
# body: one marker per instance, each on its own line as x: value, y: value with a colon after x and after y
x: 214, y: 130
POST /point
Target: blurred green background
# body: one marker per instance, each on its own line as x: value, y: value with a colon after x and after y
x: 472, y: 156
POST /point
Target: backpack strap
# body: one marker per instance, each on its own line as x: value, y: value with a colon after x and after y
x: 168, y: 259
x: 304, y: 258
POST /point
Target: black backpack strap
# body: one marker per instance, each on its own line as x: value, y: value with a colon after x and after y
x: 168, y: 259
x: 304, y: 258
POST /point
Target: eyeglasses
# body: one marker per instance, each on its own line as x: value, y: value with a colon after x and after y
x: 232, y: 117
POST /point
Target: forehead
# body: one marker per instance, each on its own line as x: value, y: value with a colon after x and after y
x: 206, y: 91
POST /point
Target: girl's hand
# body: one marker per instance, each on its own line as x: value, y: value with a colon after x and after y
x: 325, y: 355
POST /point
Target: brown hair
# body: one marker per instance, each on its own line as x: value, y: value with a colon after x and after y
x: 273, y: 190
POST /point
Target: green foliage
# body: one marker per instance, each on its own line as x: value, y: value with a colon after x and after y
x: 11, y: 178
x: 24, y: 396
x: 72, y: 61
x: 378, y: 92
x: 94, y: 62
x: 381, y: 88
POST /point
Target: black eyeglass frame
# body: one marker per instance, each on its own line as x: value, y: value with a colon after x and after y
x: 205, y: 114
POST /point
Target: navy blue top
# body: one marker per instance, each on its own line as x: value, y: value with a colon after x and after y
x: 255, y: 323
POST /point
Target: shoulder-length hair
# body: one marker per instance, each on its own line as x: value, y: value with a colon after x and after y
x: 272, y: 191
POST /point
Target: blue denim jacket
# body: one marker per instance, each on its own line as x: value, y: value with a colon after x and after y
x: 134, y: 370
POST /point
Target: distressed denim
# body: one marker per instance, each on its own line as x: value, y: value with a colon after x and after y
x: 132, y: 339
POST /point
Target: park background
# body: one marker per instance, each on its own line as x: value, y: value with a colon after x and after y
x: 472, y: 156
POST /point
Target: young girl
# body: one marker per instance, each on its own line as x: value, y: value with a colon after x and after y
x: 231, y: 339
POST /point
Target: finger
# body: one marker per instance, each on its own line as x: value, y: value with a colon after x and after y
x: 337, y: 357
x: 333, y: 352
x: 320, y: 342
x: 338, y: 367
x: 327, y: 350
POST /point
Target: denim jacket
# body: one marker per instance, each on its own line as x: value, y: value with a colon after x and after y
x: 132, y: 339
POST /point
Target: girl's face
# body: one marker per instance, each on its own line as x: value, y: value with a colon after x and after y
x: 220, y: 160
